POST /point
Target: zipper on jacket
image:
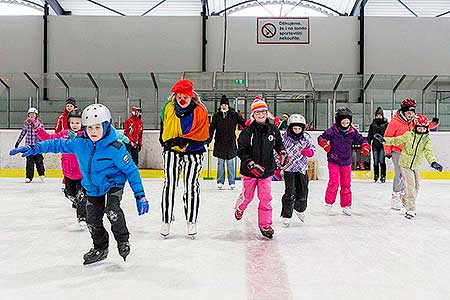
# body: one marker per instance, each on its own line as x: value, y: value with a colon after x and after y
x: 415, y: 152
x: 90, y: 168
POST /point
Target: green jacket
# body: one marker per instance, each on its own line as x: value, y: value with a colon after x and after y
x: 416, y: 146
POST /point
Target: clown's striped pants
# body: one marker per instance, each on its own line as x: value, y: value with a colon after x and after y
x: 191, y: 165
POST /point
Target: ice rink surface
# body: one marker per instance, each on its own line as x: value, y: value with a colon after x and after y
x: 375, y: 254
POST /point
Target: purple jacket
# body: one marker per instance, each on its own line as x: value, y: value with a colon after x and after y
x: 297, y: 162
x: 31, y: 137
x: 341, y: 144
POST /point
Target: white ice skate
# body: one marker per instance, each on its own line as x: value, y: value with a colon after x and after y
x: 232, y: 186
x: 328, y: 208
x: 191, y: 229
x: 220, y: 186
x: 396, y: 203
x: 410, y: 214
x: 82, y: 223
x: 347, y: 210
x: 165, y: 229
x: 300, y: 215
x: 27, y: 180
x: 286, y: 222
x: 42, y: 178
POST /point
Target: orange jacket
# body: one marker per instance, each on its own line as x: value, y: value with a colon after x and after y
x: 397, y: 127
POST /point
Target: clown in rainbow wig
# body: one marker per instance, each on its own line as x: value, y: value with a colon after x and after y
x: 184, y: 131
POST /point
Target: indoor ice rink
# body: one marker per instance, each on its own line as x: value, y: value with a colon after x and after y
x: 161, y: 84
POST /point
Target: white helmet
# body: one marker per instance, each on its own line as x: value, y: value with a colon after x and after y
x: 95, y: 114
x: 296, y: 119
x: 33, y: 110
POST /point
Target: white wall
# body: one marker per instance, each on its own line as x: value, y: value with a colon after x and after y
x: 21, y: 40
x: 164, y: 44
x: 333, y: 47
x: 124, y: 44
x: 416, y: 46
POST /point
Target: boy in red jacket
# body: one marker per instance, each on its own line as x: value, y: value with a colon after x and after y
x: 134, y: 129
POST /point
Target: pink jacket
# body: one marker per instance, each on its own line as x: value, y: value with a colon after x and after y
x: 69, y: 162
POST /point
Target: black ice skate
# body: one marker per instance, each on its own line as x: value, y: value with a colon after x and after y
x: 124, y: 249
x: 267, y: 232
x: 375, y: 178
x: 95, y: 255
x: 383, y: 179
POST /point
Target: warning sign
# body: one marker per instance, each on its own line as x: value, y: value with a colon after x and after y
x: 282, y: 30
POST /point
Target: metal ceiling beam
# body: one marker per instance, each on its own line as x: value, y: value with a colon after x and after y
x: 155, y: 6
x: 443, y: 14
x: 106, y: 7
x: 407, y: 7
x: 357, y: 7
x: 288, y: 2
x: 57, y: 8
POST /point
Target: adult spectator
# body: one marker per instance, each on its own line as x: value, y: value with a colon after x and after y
x: 223, y: 124
x: 379, y: 125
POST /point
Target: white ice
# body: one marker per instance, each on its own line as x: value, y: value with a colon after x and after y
x: 375, y: 254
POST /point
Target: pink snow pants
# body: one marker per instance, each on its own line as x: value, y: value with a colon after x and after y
x: 339, y: 175
x: 249, y: 186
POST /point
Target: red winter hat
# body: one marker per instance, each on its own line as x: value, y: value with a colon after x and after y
x: 184, y: 86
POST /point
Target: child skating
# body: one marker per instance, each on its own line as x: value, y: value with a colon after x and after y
x: 417, y: 145
x: 71, y: 170
x: 337, y: 142
x: 256, y: 145
x: 299, y: 147
x: 30, y: 139
x: 105, y: 165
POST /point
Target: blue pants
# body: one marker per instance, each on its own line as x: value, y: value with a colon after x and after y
x: 379, y: 161
x: 221, y: 171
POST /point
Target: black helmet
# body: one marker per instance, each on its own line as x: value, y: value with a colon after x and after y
x: 342, y: 113
x: 76, y: 113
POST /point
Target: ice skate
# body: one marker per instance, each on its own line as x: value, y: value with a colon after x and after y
x: 220, y: 186
x: 267, y: 231
x: 383, y: 179
x: 124, y: 249
x: 95, y: 255
x: 42, y: 178
x: 27, y: 180
x: 165, y: 229
x: 375, y: 178
x: 410, y: 214
x: 286, y: 222
x: 238, y: 214
x: 300, y: 215
x: 347, y: 210
x: 396, y: 201
x: 328, y: 208
x: 191, y: 229
x: 82, y: 223
x: 232, y: 187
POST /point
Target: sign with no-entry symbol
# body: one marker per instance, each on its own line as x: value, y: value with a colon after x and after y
x: 282, y: 30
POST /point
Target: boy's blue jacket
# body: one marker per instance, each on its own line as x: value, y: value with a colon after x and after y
x: 103, y: 164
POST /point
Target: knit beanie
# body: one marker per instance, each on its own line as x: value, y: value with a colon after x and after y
x: 258, y: 105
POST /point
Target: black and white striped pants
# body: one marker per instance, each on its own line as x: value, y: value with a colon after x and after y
x: 174, y: 163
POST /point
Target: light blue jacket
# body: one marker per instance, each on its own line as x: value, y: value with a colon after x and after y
x: 104, y: 164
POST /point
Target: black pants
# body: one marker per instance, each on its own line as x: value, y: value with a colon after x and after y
x: 37, y: 159
x: 75, y: 193
x: 95, y: 209
x: 134, y: 152
x: 295, y: 193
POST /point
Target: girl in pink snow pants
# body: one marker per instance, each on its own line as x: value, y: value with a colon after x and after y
x: 337, y: 142
x: 255, y: 149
